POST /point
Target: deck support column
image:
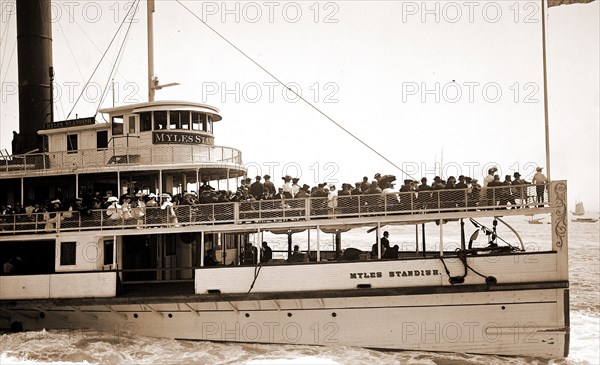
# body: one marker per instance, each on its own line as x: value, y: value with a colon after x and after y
x: 441, y: 237
x: 198, y: 182
x: 338, y: 244
x: 202, y: 249
x: 318, y: 244
x: 258, y: 242
x: 228, y: 177
x: 308, y: 242
x: 160, y: 183
x: 417, y: 239
x: 114, y: 258
x: 423, y: 236
x: 462, y: 234
x: 378, y: 241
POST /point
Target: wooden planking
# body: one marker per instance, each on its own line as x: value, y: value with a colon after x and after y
x: 24, y: 287
x: 83, y: 285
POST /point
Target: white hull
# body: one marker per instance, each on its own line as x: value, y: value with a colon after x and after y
x: 506, y: 322
x: 395, y: 304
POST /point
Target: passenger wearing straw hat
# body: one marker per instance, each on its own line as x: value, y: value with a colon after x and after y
x: 114, y: 209
x: 168, y: 206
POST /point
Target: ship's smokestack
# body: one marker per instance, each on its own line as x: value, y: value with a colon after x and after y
x: 34, y: 38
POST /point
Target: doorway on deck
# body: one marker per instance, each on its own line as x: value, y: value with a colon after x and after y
x: 139, y: 253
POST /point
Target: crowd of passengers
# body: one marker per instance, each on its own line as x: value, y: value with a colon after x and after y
x: 422, y: 195
x: 440, y: 194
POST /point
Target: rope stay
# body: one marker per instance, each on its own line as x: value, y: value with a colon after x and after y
x: 118, y: 58
x: 294, y: 92
x: 94, y: 43
x: 125, y: 18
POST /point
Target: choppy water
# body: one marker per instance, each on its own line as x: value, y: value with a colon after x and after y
x: 56, y: 347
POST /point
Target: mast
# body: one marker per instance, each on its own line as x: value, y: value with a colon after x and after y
x: 150, y: 12
x: 546, y: 124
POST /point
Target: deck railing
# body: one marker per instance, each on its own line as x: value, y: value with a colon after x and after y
x: 260, y: 211
x: 97, y: 158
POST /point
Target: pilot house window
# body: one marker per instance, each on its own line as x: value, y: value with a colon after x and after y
x: 160, y: 120
x: 145, y: 121
x: 179, y: 120
x: 132, y: 124
x: 117, y: 125
x: 198, y: 121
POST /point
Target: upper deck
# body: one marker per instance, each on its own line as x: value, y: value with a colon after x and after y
x: 154, y: 135
x: 340, y: 214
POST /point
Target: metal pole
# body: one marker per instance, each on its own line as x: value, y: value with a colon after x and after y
x: 150, y: 10
x: 546, y: 117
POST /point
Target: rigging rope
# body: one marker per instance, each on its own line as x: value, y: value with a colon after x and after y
x: 103, y: 55
x: 4, y: 35
x: 294, y: 92
x: 117, y: 60
x: 12, y: 52
x: 94, y: 44
x: 257, y: 268
x: 74, y: 59
x: 70, y: 50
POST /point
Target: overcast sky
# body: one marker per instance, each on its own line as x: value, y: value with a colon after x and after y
x: 424, y: 83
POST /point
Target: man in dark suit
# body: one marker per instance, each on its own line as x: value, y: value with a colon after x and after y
x: 257, y: 188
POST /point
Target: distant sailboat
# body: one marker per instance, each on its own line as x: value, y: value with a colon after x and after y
x: 579, y: 209
x: 535, y: 220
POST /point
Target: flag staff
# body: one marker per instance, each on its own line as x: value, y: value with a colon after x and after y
x: 545, y: 71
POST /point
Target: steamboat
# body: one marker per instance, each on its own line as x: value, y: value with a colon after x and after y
x: 191, y: 270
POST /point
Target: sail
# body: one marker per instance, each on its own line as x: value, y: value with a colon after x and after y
x: 579, y: 210
x: 567, y: 2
